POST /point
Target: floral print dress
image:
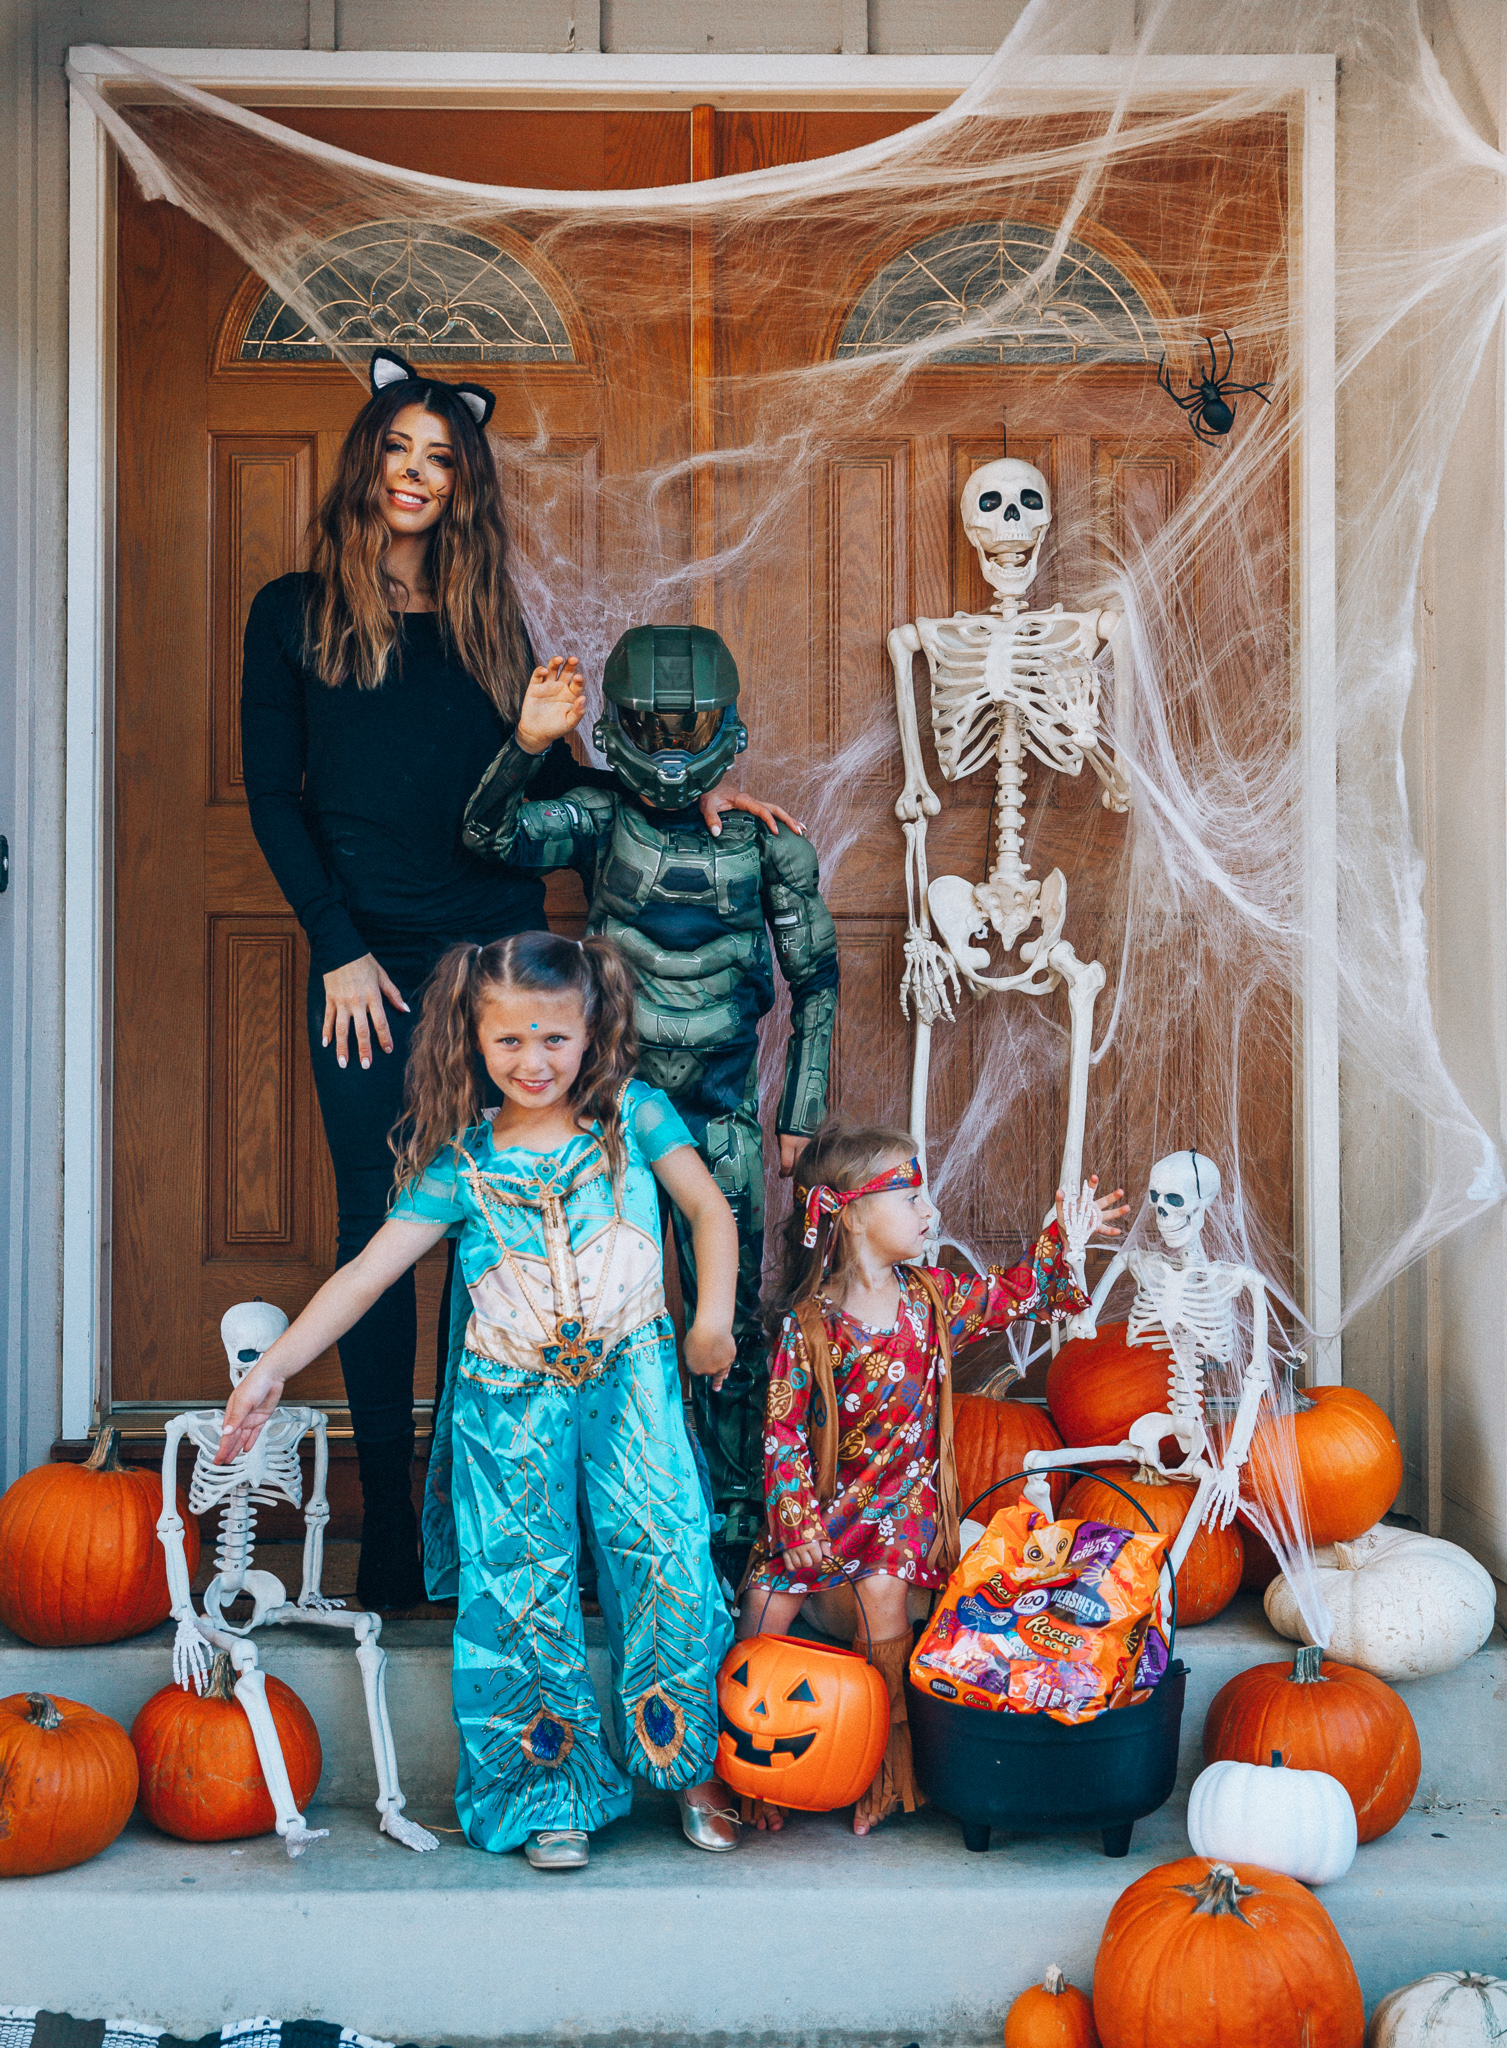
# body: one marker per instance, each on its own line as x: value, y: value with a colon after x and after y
x: 883, y: 1518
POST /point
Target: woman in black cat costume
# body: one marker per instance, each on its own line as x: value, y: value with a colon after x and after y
x: 376, y: 692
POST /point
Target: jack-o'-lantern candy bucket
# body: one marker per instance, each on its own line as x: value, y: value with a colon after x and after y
x: 799, y: 1724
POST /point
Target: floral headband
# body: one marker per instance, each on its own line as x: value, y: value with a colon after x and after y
x: 821, y: 1202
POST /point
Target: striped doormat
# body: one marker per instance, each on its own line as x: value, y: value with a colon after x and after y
x: 23, y: 2026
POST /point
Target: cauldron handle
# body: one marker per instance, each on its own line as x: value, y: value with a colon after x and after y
x: 1085, y: 1472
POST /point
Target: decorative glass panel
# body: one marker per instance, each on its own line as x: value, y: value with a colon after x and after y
x: 982, y: 275
x: 434, y: 292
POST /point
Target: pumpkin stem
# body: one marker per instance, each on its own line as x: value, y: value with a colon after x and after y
x: 41, y: 1712
x: 105, y: 1457
x: 1220, y: 1892
x: 1147, y: 1475
x: 1305, y: 1665
x: 220, y: 1684
x: 1054, y: 1981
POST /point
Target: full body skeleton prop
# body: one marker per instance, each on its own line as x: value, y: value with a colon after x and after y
x: 1184, y: 1302
x: 270, y: 1471
x: 1004, y: 683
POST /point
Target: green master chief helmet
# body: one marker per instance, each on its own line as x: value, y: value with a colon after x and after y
x: 671, y: 728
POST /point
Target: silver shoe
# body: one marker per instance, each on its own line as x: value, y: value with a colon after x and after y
x: 556, y: 1848
x: 709, y: 1827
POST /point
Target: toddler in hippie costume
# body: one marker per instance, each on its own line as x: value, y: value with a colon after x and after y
x: 860, y: 1483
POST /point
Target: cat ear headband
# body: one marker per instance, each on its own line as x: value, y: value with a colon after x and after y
x: 388, y: 369
x: 821, y: 1202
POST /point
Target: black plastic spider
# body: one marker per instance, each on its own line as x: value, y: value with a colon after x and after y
x: 1211, y: 416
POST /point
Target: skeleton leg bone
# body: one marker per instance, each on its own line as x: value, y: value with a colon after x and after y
x: 251, y: 1691
x: 372, y: 1658
x: 1084, y: 980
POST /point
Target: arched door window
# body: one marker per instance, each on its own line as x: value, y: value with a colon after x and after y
x: 981, y: 278
x: 438, y: 293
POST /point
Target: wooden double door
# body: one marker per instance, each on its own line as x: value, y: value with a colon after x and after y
x: 222, y: 1185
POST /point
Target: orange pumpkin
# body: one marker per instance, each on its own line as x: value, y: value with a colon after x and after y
x: 201, y: 1778
x: 1261, y: 1565
x: 1323, y: 1717
x: 1210, y: 1575
x: 1097, y: 1386
x: 799, y: 1724
x: 67, y: 1783
x: 991, y: 1438
x: 1052, y: 2014
x: 80, y: 1561
x: 1348, y: 1458
x: 1214, y: 1955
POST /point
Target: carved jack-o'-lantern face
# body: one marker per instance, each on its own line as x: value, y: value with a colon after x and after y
x: 799, y: 1725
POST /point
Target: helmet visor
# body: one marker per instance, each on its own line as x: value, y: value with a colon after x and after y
x: 655, y: 732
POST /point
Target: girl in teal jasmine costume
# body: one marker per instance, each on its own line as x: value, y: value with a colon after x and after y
x: 563, y: 1383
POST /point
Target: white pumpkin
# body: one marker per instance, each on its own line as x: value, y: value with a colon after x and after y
x: 1404, y: 1605
x: 1301, y: 1823
x: 1446, y: 2009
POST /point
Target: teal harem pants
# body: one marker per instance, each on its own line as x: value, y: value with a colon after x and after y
x: 524, y: 1447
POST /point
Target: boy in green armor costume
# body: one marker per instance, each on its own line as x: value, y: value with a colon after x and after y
x: 695, y: 916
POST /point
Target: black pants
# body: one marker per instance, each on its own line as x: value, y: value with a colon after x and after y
x: 359, y: 1107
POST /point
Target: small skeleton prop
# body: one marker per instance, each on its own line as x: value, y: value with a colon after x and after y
x: 1184, y: 1303
x: 1004, y: 683
x: 269, y: 1472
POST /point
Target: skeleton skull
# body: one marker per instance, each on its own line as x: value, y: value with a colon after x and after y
x: 1006, y: 509
x: 246, y: 1331
x: 1182, y: 1187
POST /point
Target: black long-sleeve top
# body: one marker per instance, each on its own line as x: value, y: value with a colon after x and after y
x: 357, y: 796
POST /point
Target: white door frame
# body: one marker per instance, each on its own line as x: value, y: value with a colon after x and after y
x: 582, y: 79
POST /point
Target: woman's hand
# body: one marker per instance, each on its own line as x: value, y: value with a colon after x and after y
x: 553, y: 704
x: 716, y: 801
x: 353, y: 996
x: 249, y: 1409
x: 709, y: 1353
x: 807, y: 1557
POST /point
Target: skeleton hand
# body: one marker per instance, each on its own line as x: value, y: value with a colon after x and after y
x: 317, y: 1603
x: 928, y: 969
x: 191, y: 1655
x: 1086, y: 1215
x: 1223, y: 1497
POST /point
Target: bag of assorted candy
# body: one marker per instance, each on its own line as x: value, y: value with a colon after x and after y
x: 1046, y: 1617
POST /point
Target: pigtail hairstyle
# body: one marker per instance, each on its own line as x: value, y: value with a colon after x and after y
x: 841, y: 1156
x: 442, y: 1086
x: 349, y: 629
x: 442, y: 1080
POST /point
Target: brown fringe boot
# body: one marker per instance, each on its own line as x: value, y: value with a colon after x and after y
x: 894, y: 1783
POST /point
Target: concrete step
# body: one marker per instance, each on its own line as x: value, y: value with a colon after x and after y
x: 1459, y: 1715
x: 811, y: 1939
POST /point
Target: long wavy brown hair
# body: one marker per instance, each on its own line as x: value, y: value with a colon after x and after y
x: 443, y: 1081
x: 841, y: 1156
x: 350, y: 630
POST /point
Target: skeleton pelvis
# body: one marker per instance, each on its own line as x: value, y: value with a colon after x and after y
x: 1149, y: 1432
x: 962, y: 912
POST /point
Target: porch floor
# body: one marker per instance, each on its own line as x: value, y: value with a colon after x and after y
x: 810, y: 1938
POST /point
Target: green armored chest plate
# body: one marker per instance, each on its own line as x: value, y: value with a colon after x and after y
x: 686, y: 869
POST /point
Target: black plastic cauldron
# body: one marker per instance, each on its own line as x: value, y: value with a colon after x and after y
x: 1034, y: 1775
